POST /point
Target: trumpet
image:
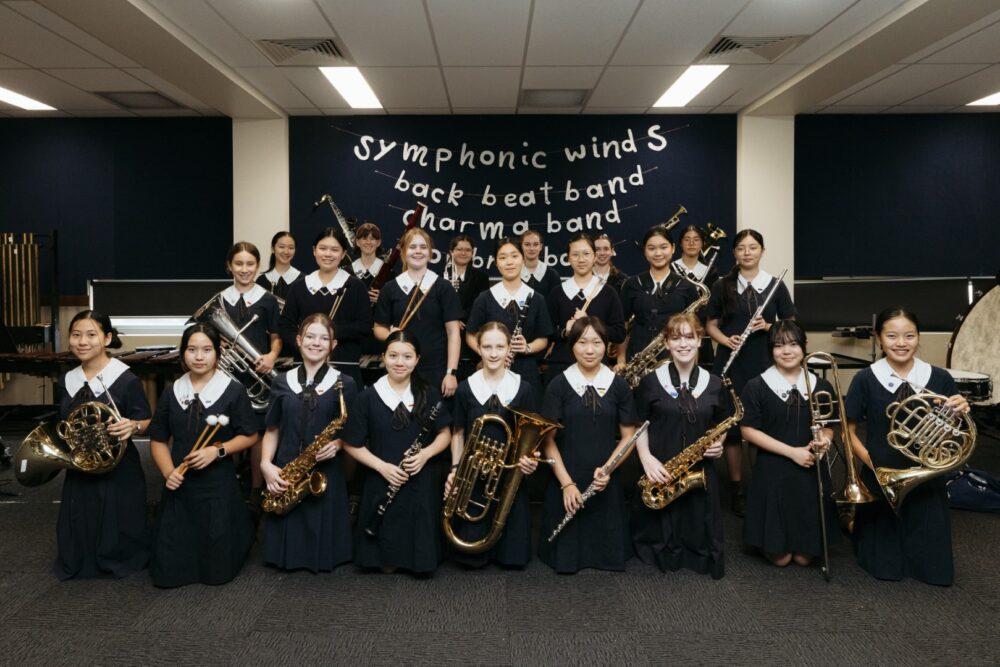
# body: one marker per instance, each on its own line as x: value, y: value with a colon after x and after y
x: 488, y: 460
x: 673, y: 220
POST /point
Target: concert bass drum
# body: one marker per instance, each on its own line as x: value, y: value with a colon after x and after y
x: 975, y: 348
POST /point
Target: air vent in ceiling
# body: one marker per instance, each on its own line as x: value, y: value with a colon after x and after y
x: 303, y: 52
x: 729, y: 50
x: 139, y: 100
x: 555, y: 98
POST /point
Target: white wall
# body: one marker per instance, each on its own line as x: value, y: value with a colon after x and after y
x: 260, y: 181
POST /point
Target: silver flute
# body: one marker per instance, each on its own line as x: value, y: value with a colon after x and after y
x: 760, y: 310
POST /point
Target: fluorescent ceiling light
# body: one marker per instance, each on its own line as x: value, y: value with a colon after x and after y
x: 352, y: 87
x: 989, y: 100
x: 18, y: 100
x: 694, y: 80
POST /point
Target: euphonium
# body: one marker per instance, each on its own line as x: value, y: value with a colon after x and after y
x: 657, y: 496
x: 923, y: 429
x: 486, y: 460
x: 239, y: 357
x: 300, y: 472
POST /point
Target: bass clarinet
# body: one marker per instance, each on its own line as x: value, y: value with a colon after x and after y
x: 390, y: 495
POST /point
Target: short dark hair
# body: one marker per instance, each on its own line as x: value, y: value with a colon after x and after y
x: 581, y: 325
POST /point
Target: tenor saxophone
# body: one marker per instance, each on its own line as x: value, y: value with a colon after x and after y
x: 300, y: 472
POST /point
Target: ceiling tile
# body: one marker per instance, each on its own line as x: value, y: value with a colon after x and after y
x: 632, y: 86
x: 785, y: 17
x: 577, y: 32
x: 315, y: 87
x: 911, y: 82
x: 954, y: 37
x: 308, y: 111
x: 50, y: 90
x: 384, y: 33
x: 480, y: 111
x: 271, y: 82
x: 415, y: 87
x: 982, y: 47
x: 482, y: 86
x: 548, y: 111
x: 25, y: 40
x: 679, y: 110
x: 260, y: 19
x: 165, y: 113
x: 64, y: 28
x: 908, y: 109
x: 861, y: 85
x: 338, y: 111
x: 471, y: 34
x: 10, y: 63
x: 405, y: 111
x: 103, y: 80
x: 213, y: 32
x: 561, y: 78
x: 621, y: 111
x: 973, y: 87
x: 102, y: 113
x: 653, y: 37
x: 844, y: 27
x: 742, y: 84
x: 726, y: 109
x: 858, y: 109
x: 167, y: 88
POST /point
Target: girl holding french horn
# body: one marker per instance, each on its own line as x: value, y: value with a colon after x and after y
x: 203, y: 529
x: 915, y: 539
x: 101, y: 530
x: 315, y: 534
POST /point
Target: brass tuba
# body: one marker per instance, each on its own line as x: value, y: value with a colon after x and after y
x: 80, y: 442
x: 239, y: 356
x: 486, y: 460
x: 923, y: 429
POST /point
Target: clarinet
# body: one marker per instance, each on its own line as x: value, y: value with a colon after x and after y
x: 760, y: 309
x: 390, y: 495
x: 518, y: 326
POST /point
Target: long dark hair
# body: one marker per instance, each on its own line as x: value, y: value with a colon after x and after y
x: 103, y: 323
x: 417, y: 385
x: 274, y: 239
x: 728, y: 281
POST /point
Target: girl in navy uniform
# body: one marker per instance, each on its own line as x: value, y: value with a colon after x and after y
x: 604, y: 266
x: 203, y: 529
x: 433, y: 313
x: 682, y: 402
x: 506, y: 302
x: 917, y: 542
x: 536, y: 274
x: 735, y: 298
x: 280, y: 273
x: 368, y: 241
x: 101, y: 530
x: 566, y: 305
x: 315, y: 535
x: 471, y: 283
x: 382, y: 424
x: 337, y: 294
x: 692, y: 242
x: 651, y: 297
x: 783, y: 516
x: 596, y: 408
x: 493, y: 390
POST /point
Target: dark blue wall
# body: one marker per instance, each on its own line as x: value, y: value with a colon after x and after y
x: 696, y: 167
x: 131, y: 198
x: 898, y: 195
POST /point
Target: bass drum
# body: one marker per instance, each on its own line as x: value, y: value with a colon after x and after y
x: 975, y: 343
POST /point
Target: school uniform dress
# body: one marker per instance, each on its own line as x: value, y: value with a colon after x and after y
x: 563, y: 302
x: 278, y: 284
x: 101, y: 530
x: 471, y: 284
x: 498, y: 305
x: 316, y: 534
x: 782, y: 514
x: 616, y: 279
x: 474, y: 399
x: 352, y: 322
x: 241, y: 308
x: 651, y: 304
x: 441, y: 305
x: 590, y: 412
x: 543, y: 279
x: 755, y: 357
x: 917, y: 543
x: 706, y: 276
x: 203, y: 530
x: 369, y: 344
x: 410, y: 533
x: 687, y: 533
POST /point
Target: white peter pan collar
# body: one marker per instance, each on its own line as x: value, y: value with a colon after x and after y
x: 290, y: 275
x: 663, y: 375
x: 918, y: 378
x: 292, y: 377
x: 570, y: 288
x: 699, y: 269
x: 601, y: 383
x: 505, y: 391
x: 760, y: 282
x: 782, y: 388
x: 184, y: 391
x: 662, y: 282
x: 313, y: 283
x: 359, y: 267
x: 406, y: 283
x: 75, y: 379
x: 250, y: 297
x: 390, y: 397
x: 538, y: 273
x: 503, y: 297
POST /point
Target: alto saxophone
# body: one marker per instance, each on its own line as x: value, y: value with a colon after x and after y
x: 657, y: 496
x: 299, y: 472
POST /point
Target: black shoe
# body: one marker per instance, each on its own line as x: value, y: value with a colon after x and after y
x: 739, y: 499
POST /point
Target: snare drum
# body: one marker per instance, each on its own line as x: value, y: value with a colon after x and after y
x: 976, y: 387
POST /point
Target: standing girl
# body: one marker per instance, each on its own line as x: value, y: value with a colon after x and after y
x: 596, y: 408
x: 101, y: 530
x: 538, y: 275
x: 783, y: 519
x: 280, y: 273
x: 917, y: 542
x: 245, y: 298
x: 604, y: 267
x: 368, y: 240
x: 682, y: 402
x: 470, y: 282
x: 203, y: 529
x: 383, y: 423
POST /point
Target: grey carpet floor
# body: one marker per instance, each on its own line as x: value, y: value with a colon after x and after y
x: 756, y: 614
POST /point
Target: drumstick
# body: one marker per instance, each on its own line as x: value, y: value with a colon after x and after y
x: 215, y: 422
x: 593, y: 293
